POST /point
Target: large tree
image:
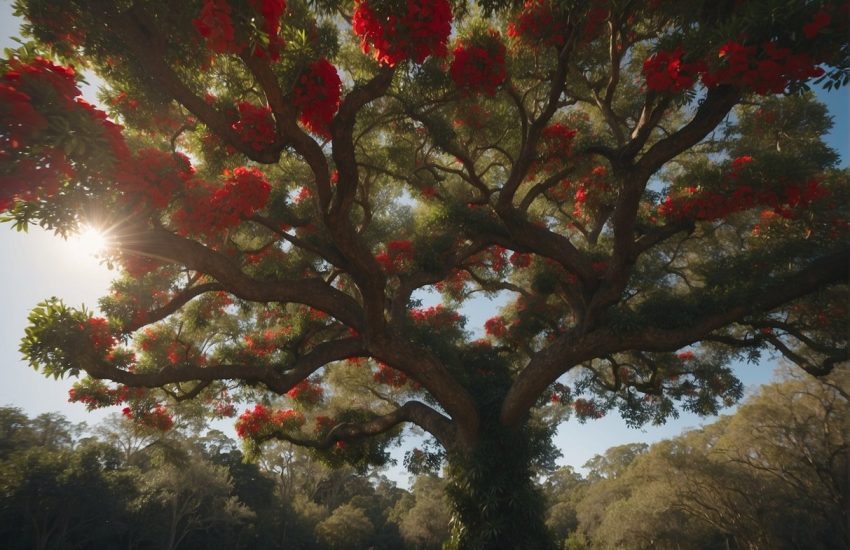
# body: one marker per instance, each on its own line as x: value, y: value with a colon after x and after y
x: 640, y: 187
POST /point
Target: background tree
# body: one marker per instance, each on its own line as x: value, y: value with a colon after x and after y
x: 57, y: 491
x: 289, y: 180
x: 348, y: 526
x: 771, y: 476
x: 423, y: 515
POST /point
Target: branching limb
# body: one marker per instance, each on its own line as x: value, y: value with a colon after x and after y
x: 195, y: 256
x: 172, y: 306
x: 137, y: 29
x: 416, y: 412
x: 572, y: 349
x: 278, y: 378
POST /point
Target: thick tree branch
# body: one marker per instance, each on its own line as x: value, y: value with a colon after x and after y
x: 713, y: 110
x: 343, y: 137
x: 277, y: 378
x: 413, y: 411
x: 312, y: 292
x: 572, y: 349
x: 172, y: 306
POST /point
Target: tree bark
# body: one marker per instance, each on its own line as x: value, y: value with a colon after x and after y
x: 495, y: 503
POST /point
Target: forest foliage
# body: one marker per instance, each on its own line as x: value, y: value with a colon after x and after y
x: 772, y: 476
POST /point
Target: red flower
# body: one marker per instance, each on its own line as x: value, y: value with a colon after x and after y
x: 255, y: 126
x: 766, y: 69
x: 436, y: 316
x: 389, y: 376
x: 208, y: 212
x: 556, y: 145
x: 422, y: 30
x: 272, y: 11
x: 665, y: 72
x: 215, y: 25
x: 30, y: 94
x: 495, y: 326
x: 397, y: 256
x: 317, y: 96
x: 537, y: 25
x: 586, y: 409
x: 251, y: 422
x: 520, y: 260
x: 821, y: 21
x: 153, y: 176
x: 288, y: 419
x: 157, y: 418
x: 479, y: 67
x: 306, y: 392
x: 99, y: 334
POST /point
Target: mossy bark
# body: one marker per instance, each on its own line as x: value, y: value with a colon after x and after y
x: 495, y: 502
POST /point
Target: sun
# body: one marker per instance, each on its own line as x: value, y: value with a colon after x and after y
x: 88, y: 242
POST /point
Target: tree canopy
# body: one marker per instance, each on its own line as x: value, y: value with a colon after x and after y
x: 640, y: 187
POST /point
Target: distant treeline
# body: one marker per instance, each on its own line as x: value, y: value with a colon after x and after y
x: 775, y: 475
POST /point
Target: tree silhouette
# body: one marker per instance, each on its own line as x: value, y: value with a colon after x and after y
x: 640, y: 187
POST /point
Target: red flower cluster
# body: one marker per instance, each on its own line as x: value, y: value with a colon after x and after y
x: 593, y: 22
x: 153, y: 177
x: 94, y: 394
x: 436, y: 316
x: 537, y: 25
x: 262, y: 345
x: 99, y: 334
x: 157, y: 418
x: 586, y: 409
x: 397, y: 256
x: 138, y: 266
x: 288, y: 419
x: 713, y: 205
x: 685, y: 355
x: 556, y: 146
x: 255, y: 126
x: 765, y: 70
x: 558, y: 139
x: 34, y: 163
x: 589, y: 191
x: 317, y: 96
x: 821, y: 21
x: 665, y: 72
x: 520, y: 260
x: 252, y: 422
x: 389, y: 376
x: 209, y: 212
x: 123, y: 102
x: 421, y: 31
x: 272, y: 11
x: 479, y: 67
x: 454, y: 283
x: 306, y: 392
x: 216, y: 26
x: 498, y: 258
x: 224, y: 409
x: 495, y: 326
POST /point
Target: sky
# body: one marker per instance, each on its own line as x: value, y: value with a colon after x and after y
x: 39, y: 265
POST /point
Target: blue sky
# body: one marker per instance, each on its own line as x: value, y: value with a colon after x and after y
x: 39, y: 265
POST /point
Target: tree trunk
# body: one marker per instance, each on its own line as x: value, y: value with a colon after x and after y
x: 495, y: 504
